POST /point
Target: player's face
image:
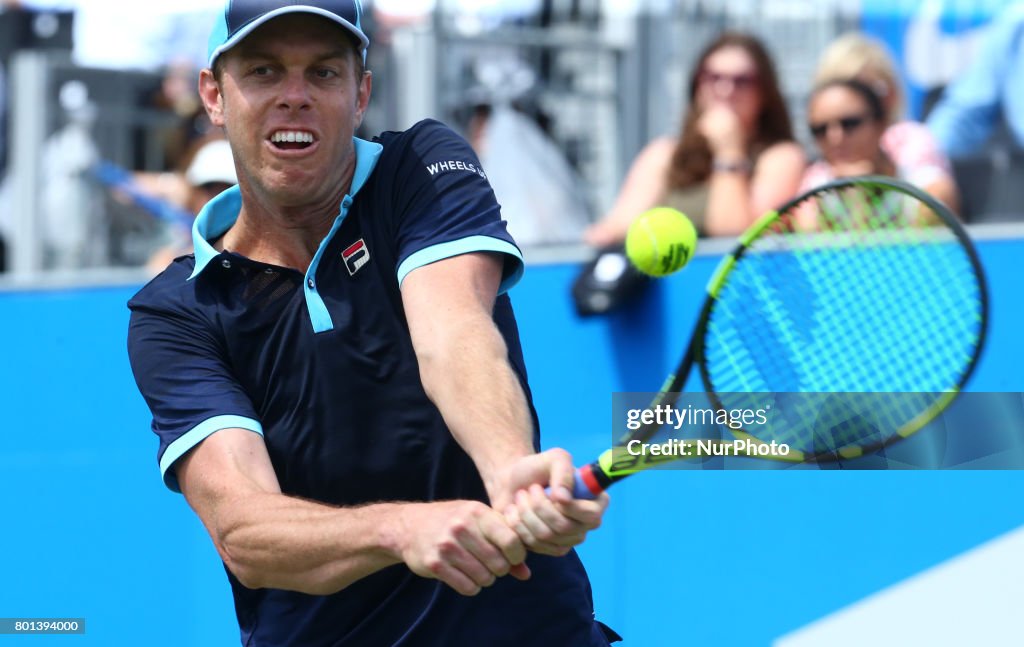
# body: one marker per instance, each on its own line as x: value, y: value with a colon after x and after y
x: 841, y: 123
x: 290, y: 102
x: 729, y: 77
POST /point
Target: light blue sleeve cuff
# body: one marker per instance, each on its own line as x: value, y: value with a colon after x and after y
x: 468, y: 245
x: 196, y: 435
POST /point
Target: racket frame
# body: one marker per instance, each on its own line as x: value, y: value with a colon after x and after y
x: 615, y: 463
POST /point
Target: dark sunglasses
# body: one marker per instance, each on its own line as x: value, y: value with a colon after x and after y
x: 739, y: 81
x: 846, y: 124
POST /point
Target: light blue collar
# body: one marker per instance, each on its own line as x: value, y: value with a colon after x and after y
x: 220, y: 214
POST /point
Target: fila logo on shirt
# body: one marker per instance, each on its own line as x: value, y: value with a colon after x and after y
x: 356, y: 256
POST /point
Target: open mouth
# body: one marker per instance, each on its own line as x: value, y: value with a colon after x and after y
x: 292, y: 139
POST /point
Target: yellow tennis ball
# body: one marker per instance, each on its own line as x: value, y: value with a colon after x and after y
x: 660, y: 241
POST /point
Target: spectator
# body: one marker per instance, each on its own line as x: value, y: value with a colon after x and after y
x: 734, y: 159
x: 991, y: 91
x: 908, y: 144
x: 541, y: 196
x: 847, y: 120
x: 211, y: 171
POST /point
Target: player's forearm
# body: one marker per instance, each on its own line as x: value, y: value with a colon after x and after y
x: 276, y: 541
x: 466, y: 373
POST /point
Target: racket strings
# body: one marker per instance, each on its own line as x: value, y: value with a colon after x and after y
x: 851, y: 290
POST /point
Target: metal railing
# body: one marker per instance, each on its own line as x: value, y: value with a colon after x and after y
x: 606, y: 84
x: 64, y: 119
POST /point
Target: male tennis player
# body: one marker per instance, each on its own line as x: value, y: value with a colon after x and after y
x: 335, y: 376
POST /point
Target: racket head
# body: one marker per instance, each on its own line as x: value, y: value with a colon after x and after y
x: 862, y: 285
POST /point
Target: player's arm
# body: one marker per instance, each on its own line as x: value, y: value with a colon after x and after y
x: 270, y: 540
x: 465, y: 371
x: 266, y: 538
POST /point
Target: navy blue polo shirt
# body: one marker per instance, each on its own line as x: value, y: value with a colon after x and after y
x: 321, y: 365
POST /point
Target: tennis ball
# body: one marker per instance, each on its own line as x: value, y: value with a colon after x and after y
x: 660, y: 241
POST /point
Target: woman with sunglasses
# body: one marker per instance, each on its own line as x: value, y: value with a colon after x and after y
x: 734, y: 159
x: 908, y: 144
x: 847, y: 121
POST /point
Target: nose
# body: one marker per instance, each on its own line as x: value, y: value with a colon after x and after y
x: 294, y: 92
x: 834, y: 133
x: 723, y: 87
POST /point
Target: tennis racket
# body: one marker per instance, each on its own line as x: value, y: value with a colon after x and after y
x: 862, y: 285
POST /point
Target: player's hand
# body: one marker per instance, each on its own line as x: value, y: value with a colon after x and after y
x: 550, y: 524
x: 465, y: 544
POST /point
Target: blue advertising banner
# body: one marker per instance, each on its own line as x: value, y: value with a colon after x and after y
x: 933, y: 41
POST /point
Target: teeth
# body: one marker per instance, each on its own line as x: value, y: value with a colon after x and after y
x: 292, y: 136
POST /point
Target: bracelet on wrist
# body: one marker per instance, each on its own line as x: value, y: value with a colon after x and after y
x: 731, y: 166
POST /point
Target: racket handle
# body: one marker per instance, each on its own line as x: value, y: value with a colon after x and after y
x: 580, y: 487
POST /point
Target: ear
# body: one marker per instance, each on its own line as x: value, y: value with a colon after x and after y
x: 213, y: 100
x: 363, y: 99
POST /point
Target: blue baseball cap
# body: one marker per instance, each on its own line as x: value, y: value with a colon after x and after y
x: 241, y: 17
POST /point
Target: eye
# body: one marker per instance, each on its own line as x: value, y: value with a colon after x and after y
x: 260, y: 70
x: 325, y: 73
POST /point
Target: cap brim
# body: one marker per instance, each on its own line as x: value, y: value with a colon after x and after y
x: 239, y: 35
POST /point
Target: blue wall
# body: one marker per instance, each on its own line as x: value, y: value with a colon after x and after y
x: 714, y: 557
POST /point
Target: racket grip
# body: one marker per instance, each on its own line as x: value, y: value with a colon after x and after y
x: 580, y: 489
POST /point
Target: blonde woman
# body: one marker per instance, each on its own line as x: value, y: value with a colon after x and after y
x: 910, y: 146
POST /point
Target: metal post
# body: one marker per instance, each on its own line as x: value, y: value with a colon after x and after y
x: 416, y: 94
x: 30, y: 109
